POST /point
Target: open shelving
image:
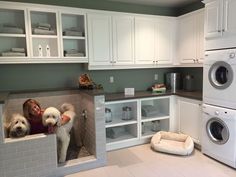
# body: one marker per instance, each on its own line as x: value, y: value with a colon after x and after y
x: 141, y: 127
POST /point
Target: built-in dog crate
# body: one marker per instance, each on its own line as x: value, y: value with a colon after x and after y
x: 36, y: 155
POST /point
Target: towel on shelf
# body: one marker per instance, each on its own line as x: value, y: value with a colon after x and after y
x: 43, y: 31
x: 73, y: 31
x: 11, y: 30
x: 73, y: 53
x: 13, y: 54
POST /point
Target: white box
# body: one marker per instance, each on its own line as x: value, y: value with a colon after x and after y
x: 129, y: 91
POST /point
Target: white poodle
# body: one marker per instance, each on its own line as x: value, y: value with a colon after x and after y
x: 19, y: 126
x: 53, y: 117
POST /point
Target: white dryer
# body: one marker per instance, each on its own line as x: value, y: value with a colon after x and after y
x: 219, y: 134
x: 219, y: 78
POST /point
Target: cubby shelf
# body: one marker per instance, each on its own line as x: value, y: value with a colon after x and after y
x: 140, y: 128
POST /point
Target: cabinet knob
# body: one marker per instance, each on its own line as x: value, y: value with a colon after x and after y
x: 114, y: 61
x: 232, y: 55
x: 223, y: 30
x: 219, y: 31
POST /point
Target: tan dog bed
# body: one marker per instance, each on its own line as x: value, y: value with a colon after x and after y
x: 173, y: 143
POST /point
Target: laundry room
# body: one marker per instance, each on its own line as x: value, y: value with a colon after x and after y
x: 117, y: 87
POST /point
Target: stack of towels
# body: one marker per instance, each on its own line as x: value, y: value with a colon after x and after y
x: 14, y: 52
x: 43, y: 28
x: 11, y: 28
x: 73, y: 31
x: 73, y: 53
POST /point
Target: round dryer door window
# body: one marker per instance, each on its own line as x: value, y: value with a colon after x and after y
x: 217, y: 131
x: 220, y: 75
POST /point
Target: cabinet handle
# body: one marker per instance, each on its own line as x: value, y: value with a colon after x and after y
x: 156, y: 61
x: 114, y: 61
x: 219, y: 31
x: 223, y: 30
x: 194, y: 60
x: 197, y: 60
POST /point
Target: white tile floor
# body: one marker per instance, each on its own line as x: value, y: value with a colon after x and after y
x: 141, y: 161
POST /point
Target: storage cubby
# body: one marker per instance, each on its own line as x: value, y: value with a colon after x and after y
x: 44, y: 43
x: 73, y: 48
x: 121, y: 113
x: 12, y: 21
x: 43, y: 23
x: 155, y: 108
x: 121, y: 133
x: 73, y: 25
x: 10, y: 47
x: 73, y: 35
x: 149, y: 128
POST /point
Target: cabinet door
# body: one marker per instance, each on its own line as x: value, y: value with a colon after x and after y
x: 229, y: 26
x: 100, y: 38
x: 144, y: 41
x: 200, y: 36
x: 165, y: 38
x: 190, y: 117
x: 187, y: 39
x: 123, y: 39
x: 213, y: 19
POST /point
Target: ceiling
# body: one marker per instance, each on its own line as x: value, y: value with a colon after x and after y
x: 160, y: 3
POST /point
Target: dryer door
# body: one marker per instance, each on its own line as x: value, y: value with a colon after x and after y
x: 217, y: 131
x: 220, y: 75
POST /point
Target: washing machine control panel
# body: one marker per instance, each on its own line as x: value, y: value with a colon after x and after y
x: 221, y: 112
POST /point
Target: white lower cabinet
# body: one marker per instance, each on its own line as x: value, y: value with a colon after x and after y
x: 189, y: 115
x: 132, y: 122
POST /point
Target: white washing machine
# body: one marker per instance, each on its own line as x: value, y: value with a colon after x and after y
x: 219, y: 134
x: 219, y: 78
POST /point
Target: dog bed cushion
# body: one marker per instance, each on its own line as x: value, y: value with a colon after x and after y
x: 173, y: 143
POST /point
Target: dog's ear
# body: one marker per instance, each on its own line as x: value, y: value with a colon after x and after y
x: 59, y: 121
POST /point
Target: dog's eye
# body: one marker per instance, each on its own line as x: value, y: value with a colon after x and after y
x: 48, y: 116
x: 23, y: 122
x: 16, y: 122
x: 53, y: 116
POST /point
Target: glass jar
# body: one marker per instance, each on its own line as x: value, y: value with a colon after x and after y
x: 127, y: 113
x: 108, y: 115
x: 156, y: 126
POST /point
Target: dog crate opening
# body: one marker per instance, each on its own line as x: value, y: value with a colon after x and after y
x: 33, y: 115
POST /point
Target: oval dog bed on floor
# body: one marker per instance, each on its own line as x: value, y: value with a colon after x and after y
x: 173, y: 143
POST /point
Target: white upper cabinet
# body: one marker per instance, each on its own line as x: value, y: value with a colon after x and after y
x: 34, y: 33
x: 13, y: 29
x: 154, y: 40
x: 73, y: 36
x: 165, y: 41
x: 111, y: 40
x: 44, y: 31
x: 123, y: 39
x: 229, y: 27
x: 100, y: 39
x: 220, y: 18
x: 191, y: 38
x: 213, y: 19
x: 145, y: 34
x: 220, y: 24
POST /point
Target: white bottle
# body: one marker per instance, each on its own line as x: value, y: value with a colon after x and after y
x: 48, y: 51
x: 40, y: 50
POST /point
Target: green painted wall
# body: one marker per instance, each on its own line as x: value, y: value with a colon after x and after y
x: 53, y: 76
x: 107, y: 5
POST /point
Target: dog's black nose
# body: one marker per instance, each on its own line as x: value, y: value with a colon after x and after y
x: 18, y: 128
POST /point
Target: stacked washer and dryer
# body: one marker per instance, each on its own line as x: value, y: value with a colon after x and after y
x: 219, y: 108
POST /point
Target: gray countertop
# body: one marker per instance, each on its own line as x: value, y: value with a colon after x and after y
x: 144, y: 94
x: 120, y: 96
